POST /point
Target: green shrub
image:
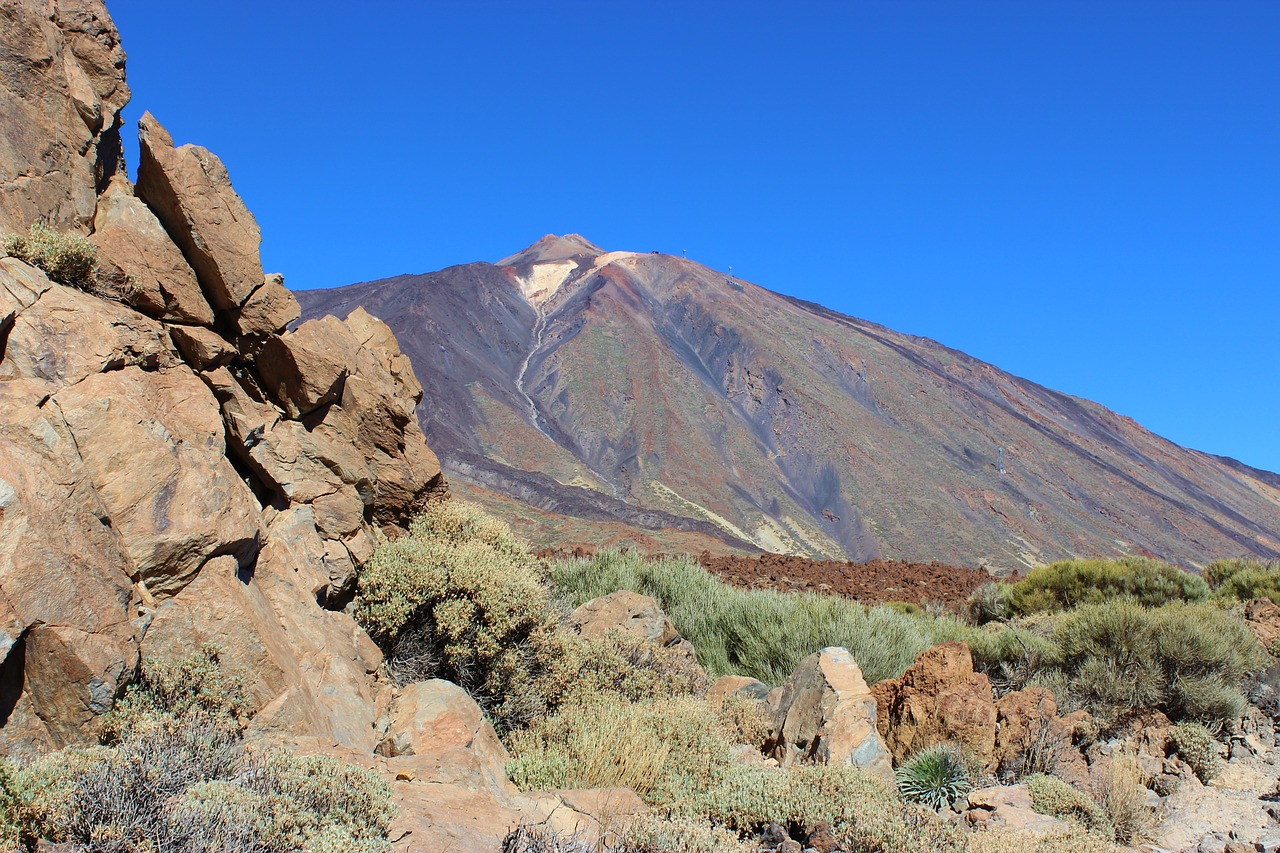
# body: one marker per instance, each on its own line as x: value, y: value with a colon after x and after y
x: 1198, y: 748
x: 177, y: 777
x: 1244, y: 579
x: 461, y: 598
x: 1184, y: 659
x: 991, y: 602
x: 1056, y: 798
x: 1071, y: 583
x: 757, y: 633
x: 937, y: 777
x: 66, y: 258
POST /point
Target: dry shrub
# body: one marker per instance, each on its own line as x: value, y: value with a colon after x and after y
x: 1122, y: 796
x: 173, y: 774
x: 1054, y: 797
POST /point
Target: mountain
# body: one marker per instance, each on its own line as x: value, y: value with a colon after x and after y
x: 601, y: 396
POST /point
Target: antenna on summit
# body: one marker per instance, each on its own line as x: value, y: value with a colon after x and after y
x: 730, y: 270
x: 684, y: 253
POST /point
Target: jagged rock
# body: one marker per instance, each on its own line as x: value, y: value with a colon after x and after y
x: 827, y: 715
x: 939, y: 699
x: 202, y: 348
x: 268, y: 310
x: 20, y: 286
x: 61, y: 91
x: 377, y: 337
x: 306, y: 368
x: 737, y: 685
x: 153, y: 446
x: 1263, y: 618
x: 66, y: 642
x: 133, y: 247
x: 190, y: 192
x: 1027, y: 723
x: 1009, y: 807
x: 67, y: 335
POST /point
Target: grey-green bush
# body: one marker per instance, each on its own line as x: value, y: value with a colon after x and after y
x: 1071, y: 583
x: 937, y: 777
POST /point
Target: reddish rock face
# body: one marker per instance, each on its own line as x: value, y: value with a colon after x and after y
x: 939, y: 699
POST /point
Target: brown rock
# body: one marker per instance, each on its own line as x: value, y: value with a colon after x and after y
x: 61, y: 91
x: 1263, y: 618
x: 626, y: 611
x: 67, y: 335
x: 377, y: 337
x: 133, y: 246
x: 1027, y: 720
x: 826, y: 715
x: 736, y: 685
x: 20, y: 286
x: 153, y: 446
x: 307, y: 368
x: 939, y: 699
x: 269, y: 309
x: 66, y: 642
x: 1009, y: 807
x: 190, y: 192
x: 201, y: 348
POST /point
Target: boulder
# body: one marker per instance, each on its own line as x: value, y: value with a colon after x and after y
x: 202, y: 348
x: 268, y: 310
x: 62, y: 89
x: 727, y: 686
x: 66, y: 335
x: 134, y: 249
x: 153, y: 446
x: 67, y: 646
x: 1008, y: 807
x: 827, y: 715
x: 20, y: 286
x: 1262, y: 615
x: 377, y: 337
x: 1028, y: 728
x: 626, y: 611
x: 939, y: 699
x: 190, y: 192
x: 306, y: 368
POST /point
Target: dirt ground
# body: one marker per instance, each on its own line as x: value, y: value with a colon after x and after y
x: 873, y: 582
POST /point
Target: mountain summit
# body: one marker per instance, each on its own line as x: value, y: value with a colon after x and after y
x: 667, y: 403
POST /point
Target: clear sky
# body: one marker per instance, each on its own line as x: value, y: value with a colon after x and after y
x: 1083, y: 193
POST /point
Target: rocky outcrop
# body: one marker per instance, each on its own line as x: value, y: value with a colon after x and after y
x: 62, y: 89
x: 939, y: 699
x: 825, y: 714
x: 158, y: 490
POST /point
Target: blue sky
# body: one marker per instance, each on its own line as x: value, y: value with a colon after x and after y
x: 1086, y: 194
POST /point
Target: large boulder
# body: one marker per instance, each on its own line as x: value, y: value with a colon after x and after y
x: 153, y: 446
x: 827, y: 715
x: 268, y: 310
x: 939, y: 699
x: 136, y: 254
x: 190, y: 192
x: 61, y: 92
x: 66, y: 335
x: 307, y: 368
x: 1008, y: 807
x: 67, y: 646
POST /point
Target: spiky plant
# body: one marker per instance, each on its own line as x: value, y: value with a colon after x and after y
x: 937, y: 776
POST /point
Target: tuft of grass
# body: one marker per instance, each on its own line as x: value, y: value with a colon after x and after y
x: 1056, y: 798
x: 1071, y: 583
x: 937, y: 777
x: 1122, y: 796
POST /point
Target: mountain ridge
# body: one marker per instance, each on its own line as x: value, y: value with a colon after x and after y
x: 788, y: 426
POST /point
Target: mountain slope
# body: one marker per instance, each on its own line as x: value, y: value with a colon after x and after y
x: 653, y: 392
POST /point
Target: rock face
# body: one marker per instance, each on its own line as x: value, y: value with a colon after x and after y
x: 827, y: 715
x: 939, y: 699
x: 157, y: 490
x: 61, y: 93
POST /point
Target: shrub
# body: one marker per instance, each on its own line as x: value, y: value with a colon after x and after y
x: 1244, y: 579
x: 652, y: 834
x: 991, y: 602
x: 66, y: 258
x: 1123, y: 797
x: 937, y: 777
x: 757, y: 633
x: 1198, y: 748
x: 1054, y: 797
x: 461, y: 598
x: 177, y: 777
x: 658, y: 748
x: 1184, y: 659
x: 1071, y: 583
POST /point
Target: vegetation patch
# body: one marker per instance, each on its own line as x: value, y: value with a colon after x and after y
x: 937, y: 777
x: 172, y: 774
x: 1199, y: 749
x: 1071, y: 583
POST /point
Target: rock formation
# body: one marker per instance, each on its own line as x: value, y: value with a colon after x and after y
x: 175, y: 468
